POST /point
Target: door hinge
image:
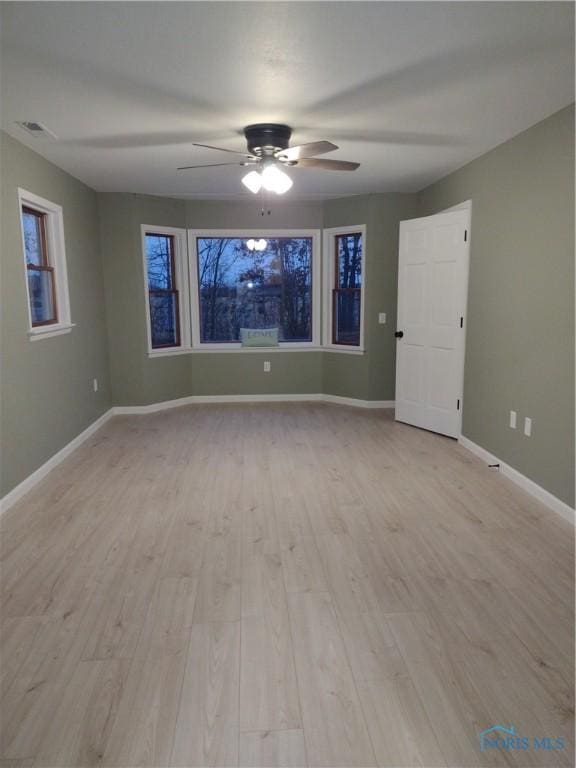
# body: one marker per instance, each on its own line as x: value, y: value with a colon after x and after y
x: 465, y: 235
x: 457, y: 405
x: 461, y: 322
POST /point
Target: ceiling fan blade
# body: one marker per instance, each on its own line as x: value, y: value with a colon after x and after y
x: 307, y: 150
x: 327, y: 165
x: 221, y: 149
x: 213, y: 165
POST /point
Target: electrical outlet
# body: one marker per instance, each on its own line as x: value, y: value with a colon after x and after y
x: 512, y: 419
x: 95, y: 384
x: 382, y: 318
x: 267, y: 366
x: 527, y: 426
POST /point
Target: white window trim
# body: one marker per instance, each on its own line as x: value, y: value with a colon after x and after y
x: 55, y: 244
x: 180, y: 258
x: 288, y: 346
x: 239, y: 349
x: 329, y: 276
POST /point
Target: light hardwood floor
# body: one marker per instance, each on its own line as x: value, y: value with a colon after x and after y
x: 281, y: 585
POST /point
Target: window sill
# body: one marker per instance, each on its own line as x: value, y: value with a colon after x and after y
x: 222, y: 350
x: 46, y: 331
x: 343, y: 350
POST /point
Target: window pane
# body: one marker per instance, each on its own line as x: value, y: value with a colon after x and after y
x: 33, y: 226
x: 243, y: 288
x: 159, y: 256
x: 349, y: 260
x: 40, y: 290
x: 164, y: 319
x: 347, y: 317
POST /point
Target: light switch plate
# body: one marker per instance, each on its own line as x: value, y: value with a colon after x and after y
x: 527, y: 426
x: 267, y: 366
x: 382, y: 318
x: 512, y: 419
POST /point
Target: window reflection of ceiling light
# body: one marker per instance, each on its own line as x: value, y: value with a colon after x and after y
x: 256, y: 245
x: 272, y: 178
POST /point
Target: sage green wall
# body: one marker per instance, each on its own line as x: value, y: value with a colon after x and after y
x: 371, y: 376
x: 230, y: 214
x: 138, y: 379
x: 520, y: 337
x: 47, y: 396
x: 222, y: 374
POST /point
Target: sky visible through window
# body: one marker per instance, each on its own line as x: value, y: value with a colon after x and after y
x: 32, y: 238
x: 240, y: 288
x: 162, y: 294
x: 347, y: 290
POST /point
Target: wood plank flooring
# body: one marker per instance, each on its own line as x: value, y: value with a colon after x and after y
x: 281, y: 585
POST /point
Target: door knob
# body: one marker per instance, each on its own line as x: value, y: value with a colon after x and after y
x: 399, y: 334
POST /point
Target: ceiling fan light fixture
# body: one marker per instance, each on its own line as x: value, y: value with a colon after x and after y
x: 253, y: 181
x: 275, y: 180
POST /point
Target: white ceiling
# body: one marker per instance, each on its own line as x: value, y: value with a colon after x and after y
x: 410, y: 90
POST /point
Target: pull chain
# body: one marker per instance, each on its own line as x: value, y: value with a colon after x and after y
x: 265, y: 210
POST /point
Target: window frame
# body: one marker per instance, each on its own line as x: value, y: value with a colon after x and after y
x: 329, y: 269
x: 314, y: 234
x: 180, y: 275
x: 55, y: 256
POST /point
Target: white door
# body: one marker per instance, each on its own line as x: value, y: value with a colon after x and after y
x: 431, y: 328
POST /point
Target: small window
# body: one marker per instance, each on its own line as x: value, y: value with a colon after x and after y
x: 41, y: 283
x: 163, y: 294
x: 45, y: 262
x: 347, y: 292
x: 344, y: 265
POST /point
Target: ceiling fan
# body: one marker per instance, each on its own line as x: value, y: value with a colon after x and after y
x: 269, y: 151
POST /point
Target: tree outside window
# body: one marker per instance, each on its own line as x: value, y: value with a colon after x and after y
x: 243, y: 288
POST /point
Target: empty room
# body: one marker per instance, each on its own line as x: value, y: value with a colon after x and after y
x: 287, y: 384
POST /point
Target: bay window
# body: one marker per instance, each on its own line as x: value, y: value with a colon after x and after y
x: 229, y: 290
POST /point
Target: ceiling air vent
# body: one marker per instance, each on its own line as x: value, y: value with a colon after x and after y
x: 35, y: 129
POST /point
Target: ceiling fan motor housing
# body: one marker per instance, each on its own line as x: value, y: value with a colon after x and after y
x: 266, y: 139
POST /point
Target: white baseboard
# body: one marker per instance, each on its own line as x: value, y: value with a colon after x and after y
x: 551, y: 501
x: 339, y: 400
x: 22, y: 488
x: 124, y: 410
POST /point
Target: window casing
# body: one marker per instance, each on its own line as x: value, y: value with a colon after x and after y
x: 45, y: 264
x: 276, y: 287
x: 290, y: 285
x: 344, y: 277
x: 166, y: 288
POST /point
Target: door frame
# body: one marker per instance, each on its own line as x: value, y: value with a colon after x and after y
x: 465, y: 207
